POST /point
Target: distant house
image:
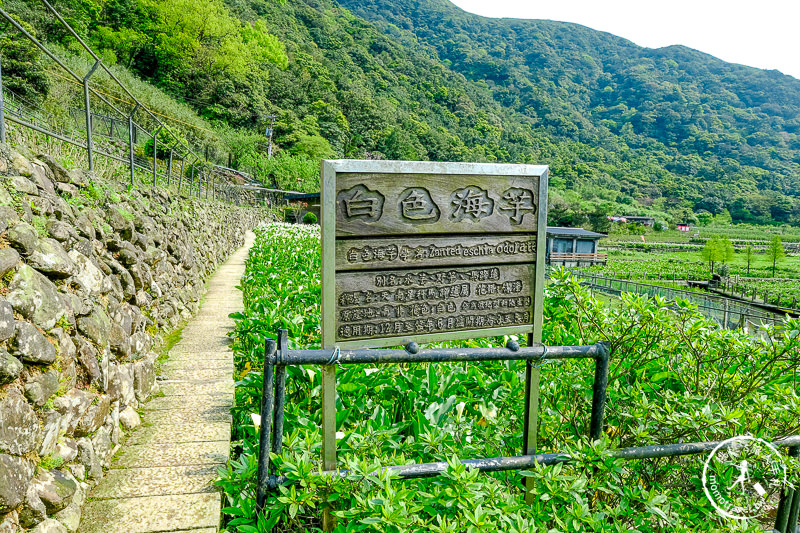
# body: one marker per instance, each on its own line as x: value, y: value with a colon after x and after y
x: 642, y: 221
x: 682, y: 227
x: 305, y: 203
x: 573, y: 247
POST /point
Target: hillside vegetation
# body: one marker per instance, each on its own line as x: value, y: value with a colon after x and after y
x: 667, y: 127
x: 625, y: 129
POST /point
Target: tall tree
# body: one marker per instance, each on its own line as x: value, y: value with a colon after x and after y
x: 775, y: 253
x: 716, y: 251
x: 748, y: 256
x: 23, y: 73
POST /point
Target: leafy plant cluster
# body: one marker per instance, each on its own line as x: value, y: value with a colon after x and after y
x: 674, y: 377
x: 657, y: 266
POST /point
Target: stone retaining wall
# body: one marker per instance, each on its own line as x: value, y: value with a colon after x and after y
x: 91, y: 277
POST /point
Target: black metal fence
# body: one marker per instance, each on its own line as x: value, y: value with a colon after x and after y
x: 728, y: 312
x: 277, y: 357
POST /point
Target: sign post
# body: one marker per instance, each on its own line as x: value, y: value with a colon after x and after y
x: 426, y: 252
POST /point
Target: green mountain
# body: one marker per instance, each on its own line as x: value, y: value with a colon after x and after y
x: 625, y: 129
x: 723, y: 135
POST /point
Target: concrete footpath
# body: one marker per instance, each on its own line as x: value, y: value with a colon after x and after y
x: 161, y: 479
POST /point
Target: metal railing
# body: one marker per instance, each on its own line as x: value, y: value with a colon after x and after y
x: 277, y: 357
x: 205, y: 179
x: 728, y: 312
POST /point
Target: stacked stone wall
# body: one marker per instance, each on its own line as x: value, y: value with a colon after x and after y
x: 92, y: 277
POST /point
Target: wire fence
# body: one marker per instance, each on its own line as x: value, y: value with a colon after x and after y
x: 120, y: 134
x: 727, y: 312
x: 778, y: 297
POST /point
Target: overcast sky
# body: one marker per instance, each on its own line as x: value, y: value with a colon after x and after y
x: 760, y: 33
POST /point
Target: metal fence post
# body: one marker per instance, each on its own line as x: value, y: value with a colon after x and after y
x: 265, y: 435
x: 530, y: 416
x: 89, y: 147
x: 280, y: 392
x: 2, y: 111
x: 328, y: 400
x: 786, y: 517
x: 155, y: 153
x: 725, y: 314
x: 191, y: 180
x: 169, y: 168
x: 180, y: 179
x: 599, y: 393
x: 130, y: 140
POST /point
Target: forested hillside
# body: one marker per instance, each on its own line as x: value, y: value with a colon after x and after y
x: 724, y: 135
x: 625, y: 129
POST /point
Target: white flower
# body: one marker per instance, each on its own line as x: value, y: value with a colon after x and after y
x: 256, y: 419
x: 340, y: 434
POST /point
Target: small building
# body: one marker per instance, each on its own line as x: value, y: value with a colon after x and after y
x: 682, y: 227
x: 303, y: 203
x: 573, y: 247
x: 647, y: 222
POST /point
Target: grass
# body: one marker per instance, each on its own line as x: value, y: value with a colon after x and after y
x: 168, y: 342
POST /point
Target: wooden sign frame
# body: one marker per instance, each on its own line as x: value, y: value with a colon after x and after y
x: 432, y: 175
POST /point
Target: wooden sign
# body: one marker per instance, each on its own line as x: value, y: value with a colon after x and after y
x: 430, y: 251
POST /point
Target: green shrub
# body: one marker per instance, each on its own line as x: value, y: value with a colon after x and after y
x: 309, y: 218
x: 287, y: 172
x: 166, y: 141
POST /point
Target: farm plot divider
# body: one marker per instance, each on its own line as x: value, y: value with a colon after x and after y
x: 277, y: 357
x: 729, y: 313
